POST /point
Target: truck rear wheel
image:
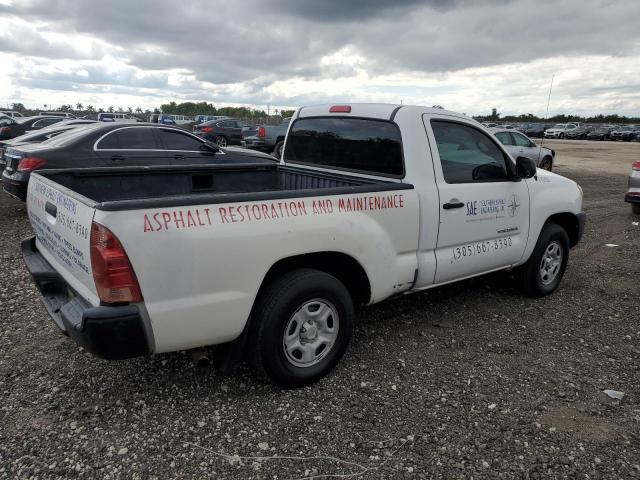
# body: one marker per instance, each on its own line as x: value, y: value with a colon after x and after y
x: 301, y: 327
x: 544, y: 270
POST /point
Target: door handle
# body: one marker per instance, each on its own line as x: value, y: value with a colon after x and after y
x: 179, y: 157
x: 51, y: 209
x: 116, y: 158
x: 449, y: 206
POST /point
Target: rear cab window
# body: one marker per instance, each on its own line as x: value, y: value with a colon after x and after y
x: 344, y: 143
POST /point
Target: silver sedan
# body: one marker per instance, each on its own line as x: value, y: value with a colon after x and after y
x: 633, y: 194
x: 519, y: 145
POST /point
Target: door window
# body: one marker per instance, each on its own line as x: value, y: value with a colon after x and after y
x: 468, y: 155
x: 505, y: 138
x: 129, y: 139
x: 521, y: 140
x: 174, y: 140
x: 45, y: 122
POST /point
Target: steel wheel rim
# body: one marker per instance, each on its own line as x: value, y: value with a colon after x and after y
x: 311, y: 333
x: 551, y: 263
x: 221, y: 141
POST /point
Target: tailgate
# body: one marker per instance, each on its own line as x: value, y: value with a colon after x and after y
x: 62, y: 221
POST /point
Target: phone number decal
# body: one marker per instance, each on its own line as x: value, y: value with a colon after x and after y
x: 482, y: 248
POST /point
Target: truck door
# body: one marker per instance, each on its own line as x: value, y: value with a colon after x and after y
x: 484, y: 212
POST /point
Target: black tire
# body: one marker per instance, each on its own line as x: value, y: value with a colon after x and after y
x: 277, y: 150
x: 529, y: 275
x: 546, y: 164
x: 635, y: 208
x: 561, y: 135
x: 221, y: 141
x: 273, y: 312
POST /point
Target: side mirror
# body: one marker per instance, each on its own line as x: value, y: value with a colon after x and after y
x: 525, y: 167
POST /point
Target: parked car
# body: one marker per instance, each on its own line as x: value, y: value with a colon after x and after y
x: 36, y: 136
x: 559, y: 130
x: 11, y: 113
x: 268, y: 138
x: 7, y: 126
x: 599, y: 133
x: 116, y: 117
x: 166, y: 120
x: 625, y: 133
x: 579, y: 133
x: 519, y: 145
x: 208, y: 118
x: 20, y: 126
x: 353, y: 215
x: 222, y: 132
x: 112, y: 144
x: 633, y: 193
x: 57, y: 114
x: 180, y: 119
x: 535, y: 130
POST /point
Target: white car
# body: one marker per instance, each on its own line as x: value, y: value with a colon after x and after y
x: 369, y: 201
x: 11, y: 113
x: 559, y: 130
x: 116, y: 117
x: 519, y: 145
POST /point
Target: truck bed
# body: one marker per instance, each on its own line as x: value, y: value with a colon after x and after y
x: 115, y: 189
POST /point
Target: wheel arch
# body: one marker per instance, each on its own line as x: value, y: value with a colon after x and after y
x: 340, y: 265
x: 569, y: 222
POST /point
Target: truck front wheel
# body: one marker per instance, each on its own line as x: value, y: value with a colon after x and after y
x: 301, y: 326
x: 543, y: 272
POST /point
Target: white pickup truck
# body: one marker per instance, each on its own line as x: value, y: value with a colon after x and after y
x: 369, y: 201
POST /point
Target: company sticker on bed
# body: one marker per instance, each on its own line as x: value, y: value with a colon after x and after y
x: 199, y: 217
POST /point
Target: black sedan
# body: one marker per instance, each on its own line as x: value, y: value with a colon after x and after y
x: 601, y: 133
x: 113, y: 144
x: 535, y: 130
x: 625, y: 133
x: 23, y: 125
x: 579, y: 133
x: 222, y: 132
x: 38, y: 136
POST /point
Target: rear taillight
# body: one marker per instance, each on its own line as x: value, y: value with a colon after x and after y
x: 207, y: 129
x: 636, y: 166
x: 29, y: 164
x: 112, y: 272
x: 262, y: 132
x: 5, y: 129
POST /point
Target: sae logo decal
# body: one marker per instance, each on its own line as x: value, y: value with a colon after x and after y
x: 513, y: 207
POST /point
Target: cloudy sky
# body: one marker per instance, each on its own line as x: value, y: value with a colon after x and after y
x: 467, y: 55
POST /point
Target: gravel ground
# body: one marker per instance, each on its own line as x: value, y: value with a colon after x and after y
x: 466, y: 381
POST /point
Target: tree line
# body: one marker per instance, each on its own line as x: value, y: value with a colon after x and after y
x: 191, y: 109
x: 495, y: 116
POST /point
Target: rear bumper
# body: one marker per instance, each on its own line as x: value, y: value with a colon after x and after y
x: 632, y: 197
x: 110, y: 332
x: 15, y: 187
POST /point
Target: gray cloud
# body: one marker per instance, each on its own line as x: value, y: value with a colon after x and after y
x: 256, y: 43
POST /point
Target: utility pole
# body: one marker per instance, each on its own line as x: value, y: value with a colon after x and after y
x: 268, y: 109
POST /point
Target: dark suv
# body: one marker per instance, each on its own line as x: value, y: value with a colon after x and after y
x: 223, y: 132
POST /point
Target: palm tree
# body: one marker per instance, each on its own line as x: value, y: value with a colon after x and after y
x: 79, y: 107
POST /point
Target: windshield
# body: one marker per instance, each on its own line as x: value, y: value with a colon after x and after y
x: 559, y: 125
